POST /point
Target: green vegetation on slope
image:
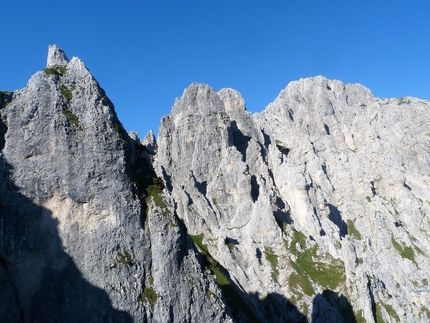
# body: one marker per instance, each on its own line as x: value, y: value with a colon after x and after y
x: 273, y: 260
x: 124, y: 258
x: 230, y: 291
x: 73, y: 118
x: 56, y: 70
x: 67, y: 92
x: 149, y: 296
x: 323, y: 270
x: 352, y: 230
x: 405, y: 252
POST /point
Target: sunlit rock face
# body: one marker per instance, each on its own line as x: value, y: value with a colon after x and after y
x: 315, y: 209
x: 56, y: 57
x: 81, y: 240
x: 320, y: 199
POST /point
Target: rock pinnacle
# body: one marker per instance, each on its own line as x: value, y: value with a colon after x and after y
x: 56, y: 57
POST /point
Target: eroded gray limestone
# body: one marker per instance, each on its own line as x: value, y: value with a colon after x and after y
x: 314, y: 209
x: 328, y: 160
x: 78, y: 241
x: 56, y: 57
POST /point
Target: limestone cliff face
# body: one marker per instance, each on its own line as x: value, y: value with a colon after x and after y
x: 80, y: 237
x: 315, y: 209
x: 318, y: 202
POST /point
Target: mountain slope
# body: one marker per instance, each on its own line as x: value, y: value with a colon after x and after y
x: 315, y: 209
x: 320, y: 196
x: 79, y: 241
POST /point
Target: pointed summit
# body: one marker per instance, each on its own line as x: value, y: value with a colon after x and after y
x: 56, y: 57
x: 150, y: 142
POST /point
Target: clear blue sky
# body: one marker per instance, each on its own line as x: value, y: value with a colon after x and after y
x: 144, y: 53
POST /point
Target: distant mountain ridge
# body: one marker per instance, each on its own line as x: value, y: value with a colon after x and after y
x: 314, y: 210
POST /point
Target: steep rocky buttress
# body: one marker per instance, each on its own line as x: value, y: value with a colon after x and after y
x: 314, y: 210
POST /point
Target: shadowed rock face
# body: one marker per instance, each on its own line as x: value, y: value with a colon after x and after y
x: 315, y: 209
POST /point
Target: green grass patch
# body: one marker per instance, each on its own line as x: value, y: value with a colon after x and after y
x: 56, y: 70
x: 229, y: 290
x: 150, y: 187
x: 230, y: 245
x: 359, y: 318
x: 378, y: 314
x: 73, y: 118
x: 273, y: 260
x: 67, y: 93
x: 155, y: 193
x: 403, y: 101
x: 198, y: 240
x: 149, y: 296
x: 300, y: 238
x: 300, y: 279
x: 323, y: 270
x: 368, y: 199
x: 119, y: 129
x: 329, y: 273
x: 352, y: 230
x: 425, y: 311
x: 405, y: 252
x: 5, y: 98
x: 124, y: 258
x: 419, y: 251
x: 391, y: 312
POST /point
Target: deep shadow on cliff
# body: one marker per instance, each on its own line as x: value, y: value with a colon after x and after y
x: 39, y: 281
x: 332, y: 307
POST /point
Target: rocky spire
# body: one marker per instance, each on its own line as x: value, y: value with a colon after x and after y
x: 150, y: 142
x: 56, y: 56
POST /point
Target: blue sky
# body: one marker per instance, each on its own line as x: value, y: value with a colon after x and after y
x: 144, y: 53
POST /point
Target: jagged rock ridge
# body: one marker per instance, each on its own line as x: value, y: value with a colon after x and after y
x: 315, y: 209
x: 83, y: 234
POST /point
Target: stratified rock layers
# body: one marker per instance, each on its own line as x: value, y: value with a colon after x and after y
x: 315, y: 209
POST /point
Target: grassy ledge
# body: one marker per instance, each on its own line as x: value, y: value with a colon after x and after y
x: 352, y: 230
x: 73, y: 118
x: 273, y: 260
x: 229, y: 290
x: 124, y: 258
x: 149, y: 296
x: 56, y: 70
x: 323, y: 270
x: 67, y: 93
x: 405, y: 252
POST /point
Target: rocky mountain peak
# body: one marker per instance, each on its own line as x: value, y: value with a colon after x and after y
x: 150, y: 142
x: 198, y: 98
x: 314, y: 210
x: 56, y: 57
